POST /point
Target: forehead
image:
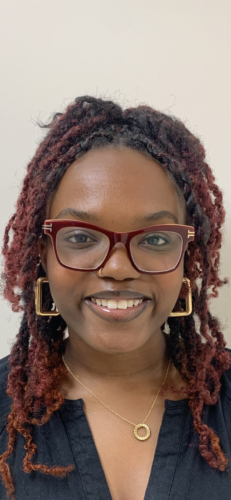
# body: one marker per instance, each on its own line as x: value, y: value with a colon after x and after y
x: 116, y: 185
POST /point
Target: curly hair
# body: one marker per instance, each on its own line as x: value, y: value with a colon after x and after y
x: 195, y: 343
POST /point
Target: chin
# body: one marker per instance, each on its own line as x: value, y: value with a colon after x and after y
x: 115, y: 344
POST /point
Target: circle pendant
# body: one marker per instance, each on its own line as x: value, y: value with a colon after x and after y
x: 142, y: 438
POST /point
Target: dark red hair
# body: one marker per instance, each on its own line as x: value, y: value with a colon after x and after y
x: 195, y: 343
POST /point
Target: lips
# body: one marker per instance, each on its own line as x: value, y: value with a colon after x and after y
x: 118, y: 294
x: 118, y: 313
x: 117, y: 303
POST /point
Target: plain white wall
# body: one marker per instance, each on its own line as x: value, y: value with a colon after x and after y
x: 173, y: 55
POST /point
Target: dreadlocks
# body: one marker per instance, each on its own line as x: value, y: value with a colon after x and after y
x: 195, y: 343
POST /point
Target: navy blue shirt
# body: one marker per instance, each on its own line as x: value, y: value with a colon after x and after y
x: 178, y: 471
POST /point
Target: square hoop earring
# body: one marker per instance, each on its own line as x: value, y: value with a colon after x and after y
x: 38, y: 299
x: 188, y: 300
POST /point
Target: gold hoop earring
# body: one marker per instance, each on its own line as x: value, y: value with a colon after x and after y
x: 38, y: 299
x: 188, y: 300
x: 100, y: 273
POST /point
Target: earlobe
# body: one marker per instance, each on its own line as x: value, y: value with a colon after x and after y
x: 42, y: 248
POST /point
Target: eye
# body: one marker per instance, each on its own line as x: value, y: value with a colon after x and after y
x: 79, y: 238
x: 156, y: 240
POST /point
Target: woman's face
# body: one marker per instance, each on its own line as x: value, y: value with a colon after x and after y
x: 118, y: 189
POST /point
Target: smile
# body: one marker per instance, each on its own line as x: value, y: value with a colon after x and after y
x: 120, y: 310
x: 117, y: 304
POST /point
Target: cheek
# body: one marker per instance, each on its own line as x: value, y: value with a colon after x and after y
x: 65, y: 284
x: 168, y: 286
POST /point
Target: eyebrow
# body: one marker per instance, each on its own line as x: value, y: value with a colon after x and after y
x: 157, y: 216
x: 89, y: 217
x: 79, y: 214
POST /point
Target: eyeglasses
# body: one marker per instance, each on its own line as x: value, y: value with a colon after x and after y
x: 86, y: 247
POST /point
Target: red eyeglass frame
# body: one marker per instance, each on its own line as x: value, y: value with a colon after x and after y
x: 52, y: 226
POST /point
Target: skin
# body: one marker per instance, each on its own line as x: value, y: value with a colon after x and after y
x: 120, y: 361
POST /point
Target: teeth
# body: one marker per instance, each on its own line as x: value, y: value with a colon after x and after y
x: 114, y: 304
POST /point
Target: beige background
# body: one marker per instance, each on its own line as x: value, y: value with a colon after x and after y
x: 173, y: 55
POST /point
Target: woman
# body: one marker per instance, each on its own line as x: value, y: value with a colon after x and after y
x: 115, y: 387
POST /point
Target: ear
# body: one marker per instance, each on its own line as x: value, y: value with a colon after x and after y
x: 42, y: 247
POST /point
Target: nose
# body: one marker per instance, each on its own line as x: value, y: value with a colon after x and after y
x: 118, y: 265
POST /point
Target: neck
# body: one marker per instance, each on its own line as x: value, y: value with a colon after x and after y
x: 150, y: 359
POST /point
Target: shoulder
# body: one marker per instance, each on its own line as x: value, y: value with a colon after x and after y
x: 6, y: 402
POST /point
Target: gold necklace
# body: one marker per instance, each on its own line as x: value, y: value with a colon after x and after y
x: 136, y: 427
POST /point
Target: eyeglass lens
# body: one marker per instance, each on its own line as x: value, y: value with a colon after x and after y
x: 81, y: 248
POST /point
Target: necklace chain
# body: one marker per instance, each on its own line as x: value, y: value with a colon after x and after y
x: 115, y: 413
